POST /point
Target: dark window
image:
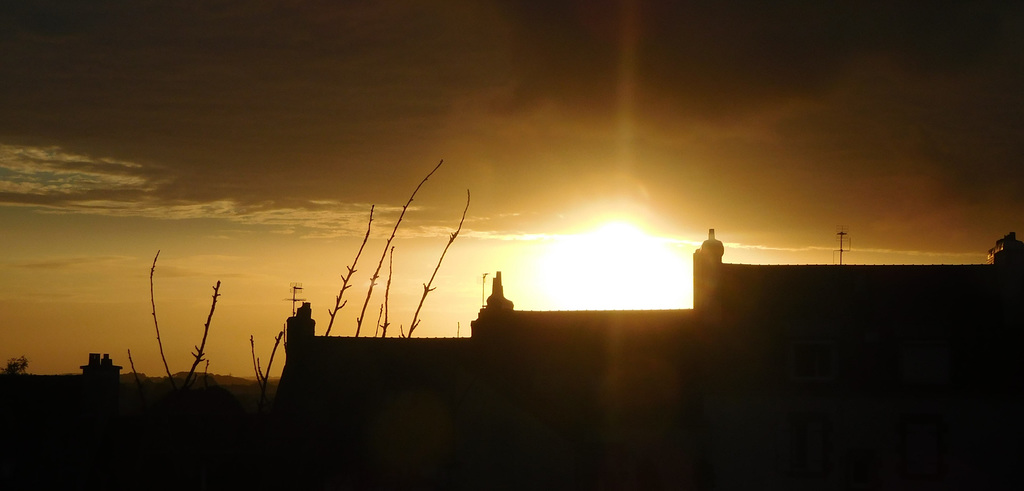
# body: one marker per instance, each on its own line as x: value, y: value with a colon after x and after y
x: 922, y: 446
x: 813, y: 360
x: 808, y: 444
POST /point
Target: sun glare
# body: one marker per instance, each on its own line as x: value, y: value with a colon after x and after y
x: 617, y: 266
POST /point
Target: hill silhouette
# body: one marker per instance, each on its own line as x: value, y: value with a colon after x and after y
x: 245, y: 390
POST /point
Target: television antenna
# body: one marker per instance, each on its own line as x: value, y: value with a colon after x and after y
x: 295, y: 288
x: 845, y: 243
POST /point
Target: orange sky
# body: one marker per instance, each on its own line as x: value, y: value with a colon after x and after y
x: 247, y: 141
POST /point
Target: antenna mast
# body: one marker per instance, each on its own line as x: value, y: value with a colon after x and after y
x: 296, y: 288
x: 844, y: 242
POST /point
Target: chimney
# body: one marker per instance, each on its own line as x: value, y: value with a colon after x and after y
x: 100, y: 385
x: 707, y: 265
x: 301, y: 327
x: 497, y: 300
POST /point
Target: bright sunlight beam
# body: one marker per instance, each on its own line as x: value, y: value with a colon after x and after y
x: 615, y: 267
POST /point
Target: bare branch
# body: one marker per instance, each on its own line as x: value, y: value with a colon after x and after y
x: 380, y: 314
x: 338, y: 304
x: 138, y: 382
x: 198, y: 355
x: 426, y: 287
x: 159, y: 343
x: 266, y: 376
x: 376, y: 273
x: 206, y: 372
x: 262, y: 378
x: 387, y: 292
x: 255, y: 363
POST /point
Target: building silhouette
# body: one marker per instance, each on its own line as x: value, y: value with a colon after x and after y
x: 780, y: 377
x: 54, y: 428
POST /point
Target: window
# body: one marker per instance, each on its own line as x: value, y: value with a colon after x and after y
x: 813, y: 360
x: 808, y: 444
x: 922, y: 439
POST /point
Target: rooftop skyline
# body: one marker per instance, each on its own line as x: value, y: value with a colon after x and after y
x: 247, y: 141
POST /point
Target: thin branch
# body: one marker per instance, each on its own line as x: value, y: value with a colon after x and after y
x: 138, y: 382
x: 338, y: 304
x: 426, y: 287
x: 198, y: 355
x: 159, y: 343
x: 376, y: 273
x: 270, y: 363
x: 266, y: 377
x: 387, y: 292
x: 255, y: 364
x: 262, y: 379
x: 380, y: 314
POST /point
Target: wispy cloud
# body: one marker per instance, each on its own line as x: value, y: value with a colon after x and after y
x: 52, y: 171
x: 497, y: 235
x: 695, y: 244
x: 60, y: 182
x: 323, y: 220
x: 69, y: 262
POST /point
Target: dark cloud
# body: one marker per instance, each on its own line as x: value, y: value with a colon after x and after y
x: 798, y: 109
x: 239, y: 93
x: 711, y: 58
x: 707, y: 110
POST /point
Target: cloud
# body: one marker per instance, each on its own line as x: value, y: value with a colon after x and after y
x: 45, y: 171
x: 319, y: 220
x: 492, y: 235
x: 810, y: 90
x: 240, y: 100
x: 263, y: 112
x: 717, y: 59
x: 61, y: 182
x: 71, y: 262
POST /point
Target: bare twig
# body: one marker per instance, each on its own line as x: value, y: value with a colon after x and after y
x: 260, y: 380
x: 206, y: 375
x: 270, y: 363
x: 426, y: 286
x: 387, y: 292
x: 380, y: 314
x: 255, y: 364
x: 338, y: 304
x: 198, y: 355
x: 387, y: 245
x: 138, y: 381
x: 252, y: 351
x: 159, y: 343
x: 263, y: 378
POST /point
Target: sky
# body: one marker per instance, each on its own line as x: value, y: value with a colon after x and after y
x: 600, y: 140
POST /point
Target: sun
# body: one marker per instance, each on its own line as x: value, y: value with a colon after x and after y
x: 617, y: 266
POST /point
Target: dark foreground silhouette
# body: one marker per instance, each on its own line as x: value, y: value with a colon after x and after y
x: 781, y: 377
